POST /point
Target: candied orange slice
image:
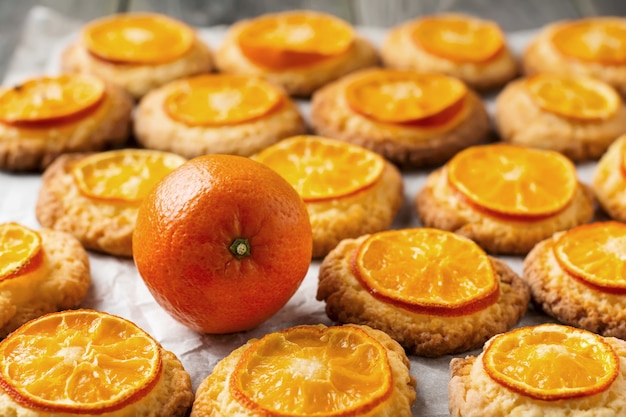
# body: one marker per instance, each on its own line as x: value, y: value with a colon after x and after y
x: 596, y: 255
x: 20, y: 250
x: 323, y: 169
x: 575, y: 97
x: 458, y: 38
x: 513, y: 181
x: 601, y: 40
x: 313, y: 371
x: 138, y: 38
x: 403, y: 96
x: 214, y: 100
x: 51, y: 99
x: 125, y: 175
x: 426, y: 271
x: 293, y: 39
x: 80, y: 361
x: 551, y: 362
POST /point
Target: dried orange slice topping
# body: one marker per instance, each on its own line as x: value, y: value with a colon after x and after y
x: 214, y: 100
x: 80, y: 361
x: 138, y: 38
x: 323, y: 169
x: 51, y: 99
x: 596, y: 255
x: 125, y: 175
x: 551, y: 362
x: 293, y: 39
x: 426, y: 271
x: 458, y: 38
x: 403, y: 96
x: 513, y: 181
x: 20, y: 250
x: 601, y: 40
x: 313, y: 371
x: 575, y: 97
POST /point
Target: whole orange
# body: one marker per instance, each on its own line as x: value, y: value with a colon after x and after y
x: 222, y: 243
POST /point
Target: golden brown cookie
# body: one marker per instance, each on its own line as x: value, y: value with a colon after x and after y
x: 138, y: 51
x: 309, y: 363
x: 348, y: 191
x: 608, y: 180
x: 50, y: 275
x: 575, y: 115
x: 299, y: 50
x: 589, y: 381
x: 591, y: 46
x: 412, y: 119
x: 47, y: 116
x: 429, y: 315
x: 576, y: 277
x: 97, y: 208
x: 454, y: 44
x: 506, y: 198
x: 228, y: 114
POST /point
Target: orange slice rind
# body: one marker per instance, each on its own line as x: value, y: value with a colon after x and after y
x: 216, y: 100
x: 426, y: 271
x: 138, y: 38
x: 313, y: 371
x: 579, y: 98
x: 551, y: 362
x: 124, y: 176
x: 403, y: 96
x: 595, y: 254
x: 458, y: 38
x: 20, y: 250
x: 323, y: 169
x: 294, y: 39
x: 513, y: 181
x: 80, y: 361
x: 601, y: 40
x: 51, y: 99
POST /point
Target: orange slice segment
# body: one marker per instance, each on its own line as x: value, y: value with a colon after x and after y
x: 313, y: 371
x: 138, y: 38
x: 580, y: 98
x: 294, y: 39
x: 551, y: 362
x: 458, y: 38
x: 81, y: 361
x: 513, y: 181
x: 596, y: 255
x: 51, y: 99
x: 20, y: 250
x: 601, y: 40
x: 125, y: 175
x: 214, y: 100
x: 426, y: 271
x: 323, y: 169
x: 403, y: 96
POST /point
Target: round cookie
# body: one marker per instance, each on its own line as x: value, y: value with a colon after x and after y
x: 47, y: 116
x: 323, y: 375
x: 608, y: 180
x: 412, y: 119
x: 592, y: 47
x: 441, y: 205
x: 574, y: 115
x: 458, y: 45
x: 300, y: 51
x: 228, y: 114
x: 425, y: 331
x: 137, y: 51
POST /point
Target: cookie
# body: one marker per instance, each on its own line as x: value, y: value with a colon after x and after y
x: 608, y: 181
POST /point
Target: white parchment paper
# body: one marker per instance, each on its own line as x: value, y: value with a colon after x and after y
x: 117, y: 287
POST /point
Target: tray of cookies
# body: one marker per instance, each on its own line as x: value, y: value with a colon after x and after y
x: 294, y: 216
